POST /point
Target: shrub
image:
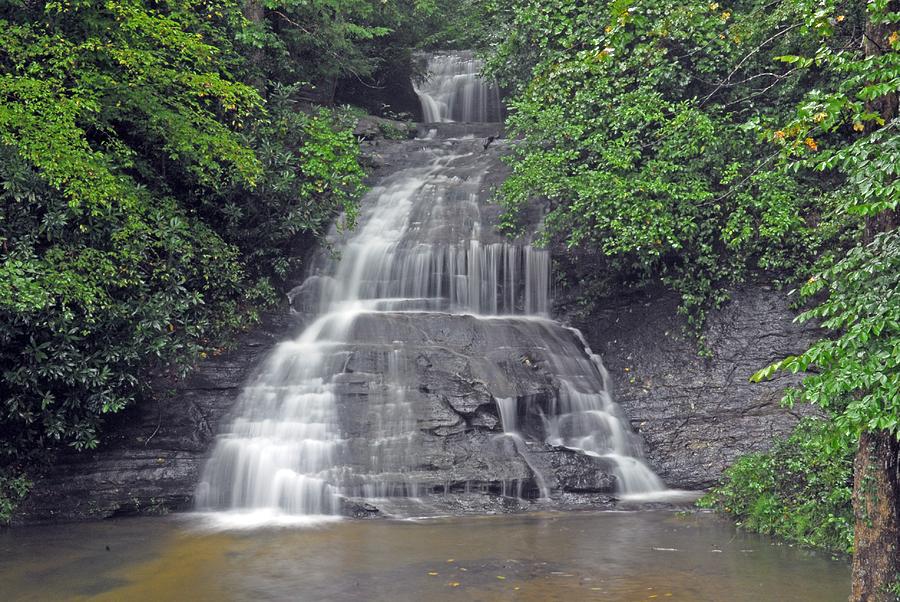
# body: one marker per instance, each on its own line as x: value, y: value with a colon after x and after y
x: 800, y: 490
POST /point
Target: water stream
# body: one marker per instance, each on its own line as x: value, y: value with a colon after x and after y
x: 337, y: 413
x: 453, y: 90
x: 428, y: 367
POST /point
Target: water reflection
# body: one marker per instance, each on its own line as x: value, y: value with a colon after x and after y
x: 587, y: 556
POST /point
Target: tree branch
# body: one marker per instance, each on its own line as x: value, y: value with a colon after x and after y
x: 746, y: 58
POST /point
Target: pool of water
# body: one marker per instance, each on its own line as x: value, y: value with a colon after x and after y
x: 647, y: 555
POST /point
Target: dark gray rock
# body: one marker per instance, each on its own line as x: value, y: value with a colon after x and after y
x: 482, y: 131
x: 152, y: 453
x: 695, y: 414
x: 359, y: 508
x: 577, y: 472
x: 371, y: 127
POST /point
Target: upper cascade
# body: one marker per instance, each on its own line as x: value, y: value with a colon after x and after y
x: 453, y: 90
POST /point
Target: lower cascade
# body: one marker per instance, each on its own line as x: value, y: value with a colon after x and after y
x: 429, y: 367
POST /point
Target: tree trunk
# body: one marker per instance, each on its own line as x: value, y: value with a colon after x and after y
x: 876, y: 503
x: 875, y: 43
x: 876, y: 483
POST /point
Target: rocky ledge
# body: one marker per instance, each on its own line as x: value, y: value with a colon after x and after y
x: 695, y: 414
x: 153, y: 452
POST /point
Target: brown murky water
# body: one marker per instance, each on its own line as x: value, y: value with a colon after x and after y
x: 575, y: 556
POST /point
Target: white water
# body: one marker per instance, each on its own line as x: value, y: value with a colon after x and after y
x: 284, y: 453
x: 455, y: 92
x: 508, y: 409
x: 422, y: 246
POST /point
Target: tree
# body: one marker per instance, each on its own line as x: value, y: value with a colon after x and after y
x: 697, y: 142
x: 151, y: 204
x: 644, y: 125
x: 856, y: 374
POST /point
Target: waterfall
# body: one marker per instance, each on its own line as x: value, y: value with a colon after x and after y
x: 341, y: 412
x: 453, y: 90
x: 508, y: 409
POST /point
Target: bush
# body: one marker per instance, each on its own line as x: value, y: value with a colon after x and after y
x: 663, y: 166
x: 13, y: 489
x: 150, y: 204
x: 800, y: 490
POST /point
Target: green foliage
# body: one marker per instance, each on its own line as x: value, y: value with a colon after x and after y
x: 310, y: 172
x: 13, y: 490
x: 316, y: 44
x: 392, y: 132
x: 464, y: 25
x: 856, y: 373
x: 162, y: 173
x: 103, y: 270
x: 87, y: 301
x: 151, y: 202
x: 694, y: 143
x: 643, y: 125
x: 800, y: 490
x: 319, y: 40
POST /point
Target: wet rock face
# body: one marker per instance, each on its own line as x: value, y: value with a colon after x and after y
x: 371, y: 127
x: 458, y: 457
x: 441, y: 434
x: 152, y: 453
x: 697, y: 415
x: 580, y: 473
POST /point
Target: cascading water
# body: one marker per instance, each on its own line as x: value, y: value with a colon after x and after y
x: 340, y: 412
x: 453, y: 90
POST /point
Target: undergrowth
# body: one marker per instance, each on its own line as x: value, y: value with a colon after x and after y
x: 800, y: 490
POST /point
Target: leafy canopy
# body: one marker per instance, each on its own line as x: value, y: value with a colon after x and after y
x: 855, y: 373
x: 648, y: 127
x: 151, y: 200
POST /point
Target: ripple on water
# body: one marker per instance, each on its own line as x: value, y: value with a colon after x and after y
x: 649, y: 555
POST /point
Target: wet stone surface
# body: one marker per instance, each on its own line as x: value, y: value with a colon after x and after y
x: 694, y: 415
x: 697, y: 415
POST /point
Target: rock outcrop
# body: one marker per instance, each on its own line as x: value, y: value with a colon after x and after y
x: 698, y: 414
x: 370, y: 127
x: 152, y: 453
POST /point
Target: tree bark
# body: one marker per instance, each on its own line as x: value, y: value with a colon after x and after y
x: 875, y: 43
x: 876, y: 543
x: 876, y: 483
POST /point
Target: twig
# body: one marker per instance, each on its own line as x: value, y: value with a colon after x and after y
x: 158, y: 422
x: 761, y: 91
x: 339, y: 58
x: 732, y: 189
x: 747, y: 58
